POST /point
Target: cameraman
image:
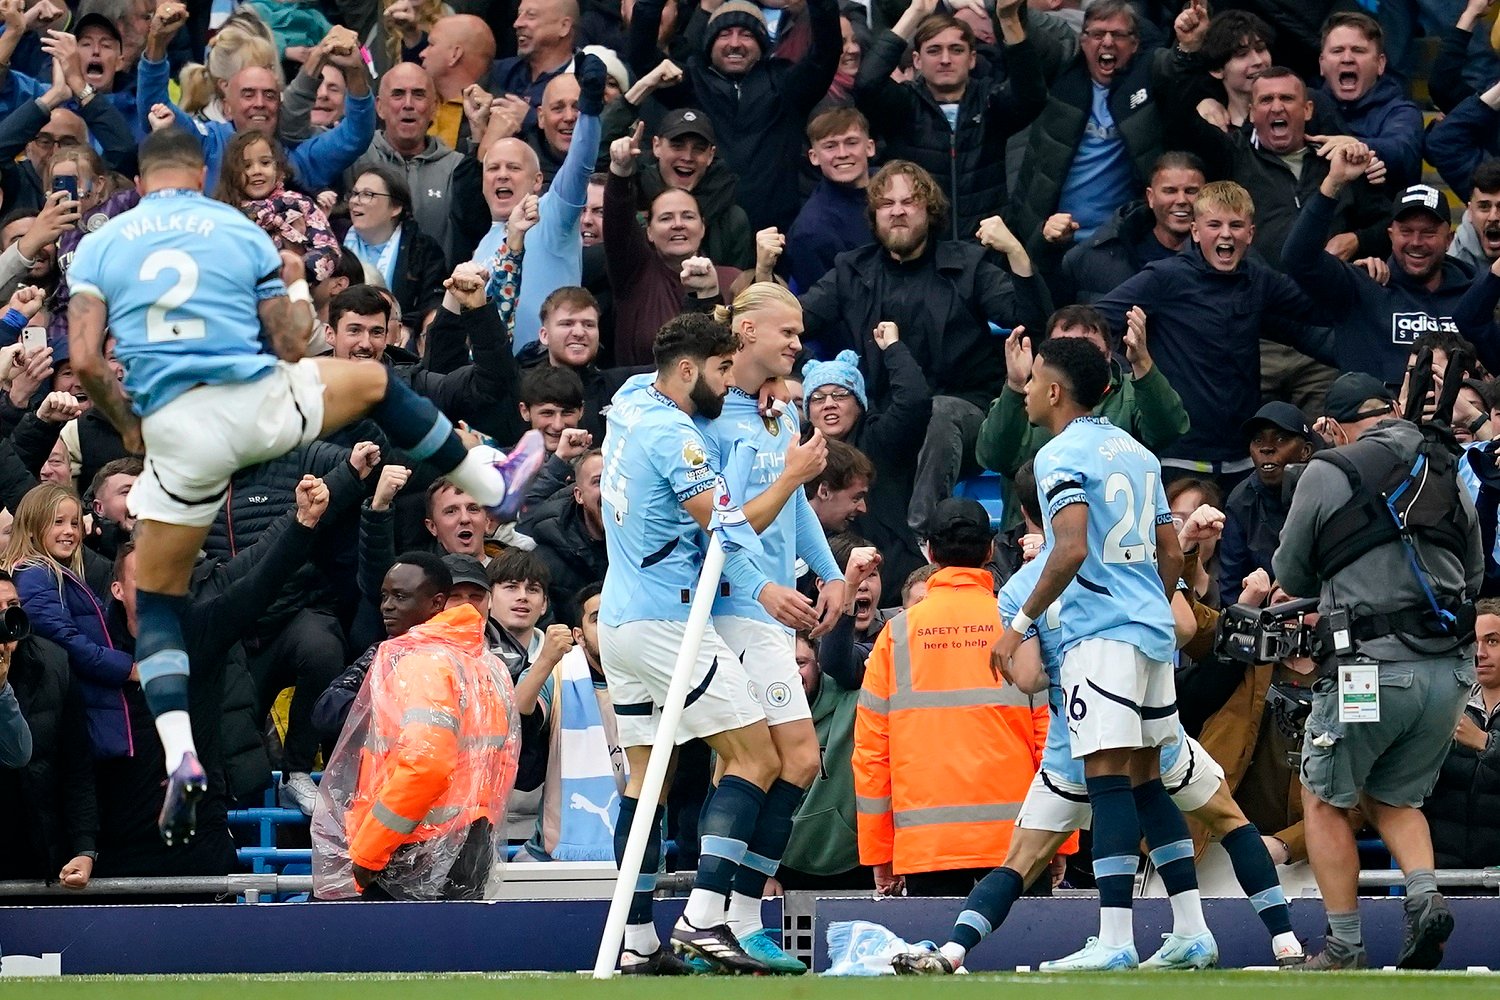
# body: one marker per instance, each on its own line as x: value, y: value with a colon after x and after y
x: 1255, y: 717
x: 1400, y: 606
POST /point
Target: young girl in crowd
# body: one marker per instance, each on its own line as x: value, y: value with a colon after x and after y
x: 46, y: 556
x: 253, y: 179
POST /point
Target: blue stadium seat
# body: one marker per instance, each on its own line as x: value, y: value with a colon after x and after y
x: 264, y: 856
x: 987, y: 488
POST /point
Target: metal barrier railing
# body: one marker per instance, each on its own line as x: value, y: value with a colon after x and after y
x: 250, y: 886
x: 253, y: 886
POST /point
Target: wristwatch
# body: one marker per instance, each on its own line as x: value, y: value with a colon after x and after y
x: 86, y: 94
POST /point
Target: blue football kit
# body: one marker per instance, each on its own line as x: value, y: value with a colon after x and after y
x: 182, y: 277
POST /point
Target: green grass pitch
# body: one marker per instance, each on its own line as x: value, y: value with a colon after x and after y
x: 1124, y: 986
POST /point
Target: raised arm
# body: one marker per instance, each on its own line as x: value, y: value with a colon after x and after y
x: 808, y: 80
x: 153, y: 74
x: 286, y: 312
x: 87, y: 322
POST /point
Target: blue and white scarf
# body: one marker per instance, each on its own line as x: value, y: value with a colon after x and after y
x: 380, y: 256
x: 582, y: 800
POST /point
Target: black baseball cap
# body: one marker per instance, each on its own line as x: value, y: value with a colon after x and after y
x: 686, y: 121
x: 1349, y: 393
x: 959, y: 520
x: 1422, y: 198
x: 466, y: 569
x: 1281, y: 415
x: 98, y: 20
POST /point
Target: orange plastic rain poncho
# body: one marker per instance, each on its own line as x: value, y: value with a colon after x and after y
x: 416, y: 787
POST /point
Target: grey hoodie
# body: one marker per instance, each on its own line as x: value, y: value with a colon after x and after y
x: 429, y: 174
x: 1465, y: 247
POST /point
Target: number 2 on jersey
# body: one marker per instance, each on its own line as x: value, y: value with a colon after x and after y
x: 158, y: 327
x: 1119, y: 545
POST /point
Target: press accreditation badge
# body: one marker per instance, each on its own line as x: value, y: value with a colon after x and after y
x: 1359, y: 691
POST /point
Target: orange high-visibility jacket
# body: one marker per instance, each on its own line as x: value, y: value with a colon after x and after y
x: 439, y: 754
x: 943, y: 750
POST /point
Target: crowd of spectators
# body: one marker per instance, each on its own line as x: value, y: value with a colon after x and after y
x: 1234, y: 205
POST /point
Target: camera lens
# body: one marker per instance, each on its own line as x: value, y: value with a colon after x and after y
x: 14, y: 625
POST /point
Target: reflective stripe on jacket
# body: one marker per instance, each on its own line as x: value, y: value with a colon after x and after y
x: 943, y: 751
x: 439, y: 753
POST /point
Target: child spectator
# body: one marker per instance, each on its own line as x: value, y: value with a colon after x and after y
x: 1278, y: 435
x: 518, y: 599
x: 552, y: 402
x: 297, y: 25
x: 585, y: 771
x: 46, y: 557
x: 253, y: 179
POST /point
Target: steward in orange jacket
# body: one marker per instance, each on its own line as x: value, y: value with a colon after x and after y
x: 944, y: 751
x: 416, y: 787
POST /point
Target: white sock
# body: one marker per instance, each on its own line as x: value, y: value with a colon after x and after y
x: 744, y: 915
x: 176, y: 732
x: 705, y: 908
x: 477, y: 476
x: 641, y: 939
x: 1187, y: 913
x: 1285, y: 943
x: 1116, y: 930
x: 955, y: 953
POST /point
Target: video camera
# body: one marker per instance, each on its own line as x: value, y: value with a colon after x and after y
x: 1248, y: 634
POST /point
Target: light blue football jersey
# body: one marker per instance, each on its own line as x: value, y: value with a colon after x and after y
x: 750, y: 452
x: 182, y: 277
x: 1117, y: 593
x: 1057, y: 756
x: 655, y: 460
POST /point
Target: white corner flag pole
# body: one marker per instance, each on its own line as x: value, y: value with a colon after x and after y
x: 661, y: 754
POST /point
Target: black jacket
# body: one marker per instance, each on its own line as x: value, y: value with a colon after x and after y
x: 22, y: 456
x: 1253, y: 516
x: 1464, y: 809
x: 1217, y: 377
x: 1054, y: 139
x: 51, y: 815
x: 420, y: 270
x: 98, y: 445
x: 891, y: 434
x: 485, y: 392
x: 226, y: 599
x: 1098, y: 265
x: 260, y: 497
x: 968, y: 163
x: 727, y: 236
x: 599, y: 387
x: 759, y: 118
x: 572, y: 557
x: 943, y: 303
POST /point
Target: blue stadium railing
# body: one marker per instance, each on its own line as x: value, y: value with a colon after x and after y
x: 266, y: 858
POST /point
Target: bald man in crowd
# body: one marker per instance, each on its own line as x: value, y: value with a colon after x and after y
x: 406, y: 105
x: 546, y: 39
x: 510, y: 171
x: 460, y: 50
